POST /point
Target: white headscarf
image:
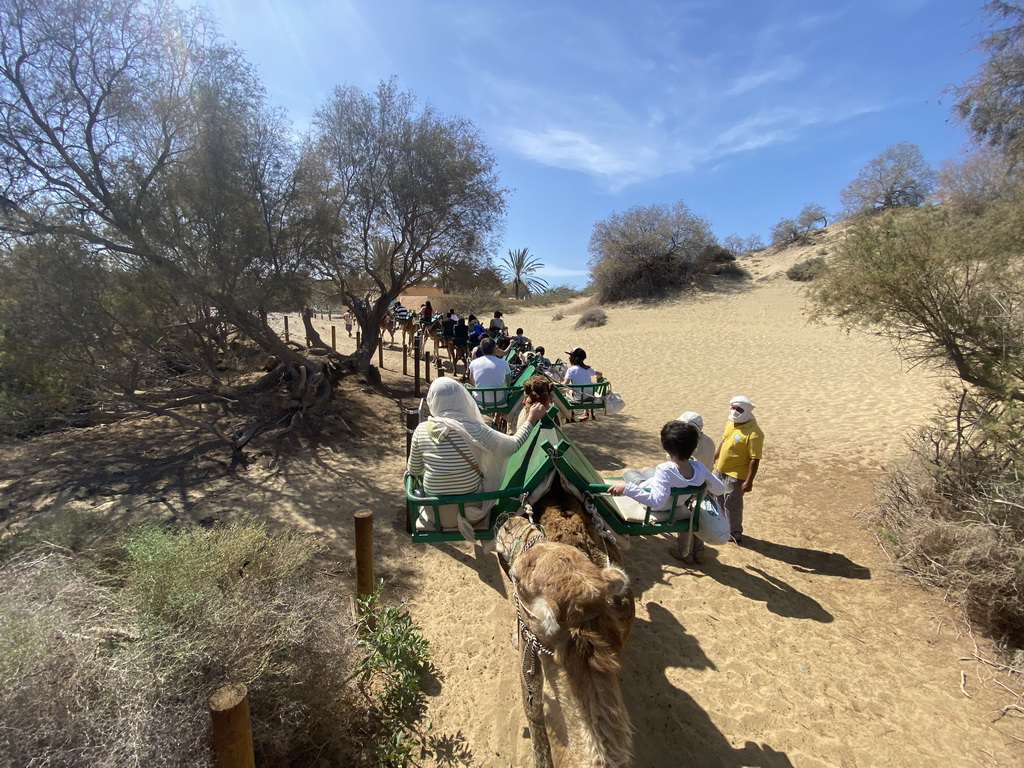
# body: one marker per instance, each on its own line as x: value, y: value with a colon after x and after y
x: 452, y: 407
x: 748, y: 409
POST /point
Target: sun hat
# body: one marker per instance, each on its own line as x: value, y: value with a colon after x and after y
x: 691, y: 417
x: 578, y: 352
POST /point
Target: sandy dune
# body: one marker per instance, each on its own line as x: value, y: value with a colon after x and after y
x: 802, y: 648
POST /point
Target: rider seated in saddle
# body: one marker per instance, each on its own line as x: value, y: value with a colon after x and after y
x: 653, y: 486
x: 455, y: 451
x: 497, y: 325
x: 521, y: 340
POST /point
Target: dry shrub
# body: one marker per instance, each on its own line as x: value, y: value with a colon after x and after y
x: 114, y: 666
x: 950, y: 518
x: 807, y: 270
x: 592, y: 318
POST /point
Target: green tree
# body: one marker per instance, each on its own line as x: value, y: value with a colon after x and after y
x: 519, y: 269
x: 899, y: 177
x: 946, y: 289
x: 647, y: 252
x: 785, y: 231
x: 166, y: 163
x: 394, y: 190
x: 992, y: 102
x: 977, y: 180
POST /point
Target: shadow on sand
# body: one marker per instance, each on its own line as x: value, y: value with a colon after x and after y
x: 671, y: 728
x: 812, y: 561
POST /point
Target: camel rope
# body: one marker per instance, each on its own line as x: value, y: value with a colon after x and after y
x: 530, y: 647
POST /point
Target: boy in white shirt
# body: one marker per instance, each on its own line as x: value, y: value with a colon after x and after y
x: 653, y: 487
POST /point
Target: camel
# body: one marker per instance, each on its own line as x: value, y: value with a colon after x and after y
x: 574, y: 609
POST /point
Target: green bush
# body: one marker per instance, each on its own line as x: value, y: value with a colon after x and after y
x: 807, y: 270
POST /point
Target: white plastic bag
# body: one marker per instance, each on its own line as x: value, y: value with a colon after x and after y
x: 613, y: 402
x: 712, y: 524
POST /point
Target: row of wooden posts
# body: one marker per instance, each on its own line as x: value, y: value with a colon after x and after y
x: 229, y: 705
x: 417, y: 347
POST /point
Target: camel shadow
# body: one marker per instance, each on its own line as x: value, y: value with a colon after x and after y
x: 674, y: 729
x: 812, y: 561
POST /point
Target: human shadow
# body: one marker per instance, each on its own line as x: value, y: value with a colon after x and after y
x: 778, y: 596
x: 671, y: 727
x: 812, y: 561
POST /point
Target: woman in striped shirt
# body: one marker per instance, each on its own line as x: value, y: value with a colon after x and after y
x: 455, y: 452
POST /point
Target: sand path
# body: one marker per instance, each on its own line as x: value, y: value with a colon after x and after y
x: 803, y: 648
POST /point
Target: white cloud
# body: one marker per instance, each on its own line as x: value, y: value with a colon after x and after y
x: 786, y: 68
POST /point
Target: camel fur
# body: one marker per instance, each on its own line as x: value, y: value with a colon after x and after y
x: 576, y: 600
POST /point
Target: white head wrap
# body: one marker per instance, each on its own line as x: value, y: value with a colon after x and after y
x: 692, y: 417
x: 744, y: 415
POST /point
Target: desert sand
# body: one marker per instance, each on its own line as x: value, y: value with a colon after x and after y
x: 804, y: 647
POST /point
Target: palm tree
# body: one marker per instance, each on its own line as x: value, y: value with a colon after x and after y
x: 519, y: 268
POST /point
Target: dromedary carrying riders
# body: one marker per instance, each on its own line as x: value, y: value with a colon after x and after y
x: 737, y: 459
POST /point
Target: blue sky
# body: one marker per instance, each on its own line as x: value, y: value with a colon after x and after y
x: 744, y: 109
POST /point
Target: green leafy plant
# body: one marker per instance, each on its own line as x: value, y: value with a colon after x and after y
x: 396, y: 657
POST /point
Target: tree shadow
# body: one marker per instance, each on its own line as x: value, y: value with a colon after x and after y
x: 672, y: 728
x: 811, y: 561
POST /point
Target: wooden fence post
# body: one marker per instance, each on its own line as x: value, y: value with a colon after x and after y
x: 286, y: 328
x: 426, y: 368
x: 380, y: 353
x: 416, y: 365
x: 232, y: 732
x: 364, y: 552
x: 334, y: 338
x: 405, y: 359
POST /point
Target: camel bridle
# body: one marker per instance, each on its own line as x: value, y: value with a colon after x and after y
x: 529, y: 644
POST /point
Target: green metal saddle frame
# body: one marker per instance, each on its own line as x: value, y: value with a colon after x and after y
x: 529, y: 472
x: 495, y: 400
x: 582, y: 397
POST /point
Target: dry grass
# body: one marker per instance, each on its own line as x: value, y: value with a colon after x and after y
x: 111, y: 663
x: 956, y: 526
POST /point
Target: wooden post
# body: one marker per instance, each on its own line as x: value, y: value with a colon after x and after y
x: 364, y: 552
x: 380, y: 353
x: 416, y: 365
x: 286, y: 328
x: 412, y: 420
x: 440, y: 367
x: 426, y: 368
x: 334, y: 338
x: 405, y: 360
x: 359, y: 340
x: 232, y: 733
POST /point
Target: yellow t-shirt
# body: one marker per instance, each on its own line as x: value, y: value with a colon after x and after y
x: 740, y: 444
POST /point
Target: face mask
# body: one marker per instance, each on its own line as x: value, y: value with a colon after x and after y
x: 738, y: 417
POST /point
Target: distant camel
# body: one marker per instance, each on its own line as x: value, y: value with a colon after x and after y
x: 574, y: 612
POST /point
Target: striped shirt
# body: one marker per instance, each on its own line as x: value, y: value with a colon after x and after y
x: 444, y: 471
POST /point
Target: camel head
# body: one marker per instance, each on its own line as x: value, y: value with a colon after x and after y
x: 562, y: 590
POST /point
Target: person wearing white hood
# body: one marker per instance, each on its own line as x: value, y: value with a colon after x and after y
x: 737, y: 460
x: 455, y: 451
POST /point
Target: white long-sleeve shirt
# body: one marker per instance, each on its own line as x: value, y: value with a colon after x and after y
x: 656, y: 493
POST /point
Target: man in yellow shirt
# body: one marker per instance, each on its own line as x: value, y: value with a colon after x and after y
x: 737, y: 459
